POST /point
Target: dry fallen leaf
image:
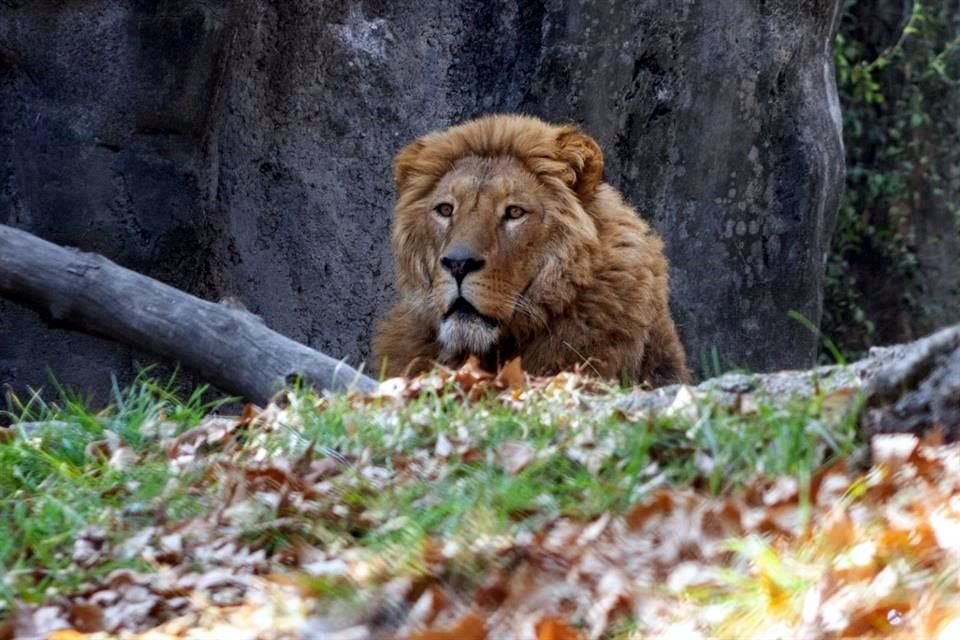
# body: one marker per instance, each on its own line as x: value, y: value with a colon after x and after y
x: 514, y: 456
x: 468, y: 627
x: 511, y: 375
x: 66, y: 634
x: 554, y: 629
x: 893, y: 449
x: 859, y: 554
x: 86, y: 617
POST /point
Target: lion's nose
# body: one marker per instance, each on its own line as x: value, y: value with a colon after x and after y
x: 460, y: 260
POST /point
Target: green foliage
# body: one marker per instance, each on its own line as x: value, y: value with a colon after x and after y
x: 903, y: 149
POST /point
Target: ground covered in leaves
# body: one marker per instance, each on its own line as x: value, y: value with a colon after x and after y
x: 462, y: 505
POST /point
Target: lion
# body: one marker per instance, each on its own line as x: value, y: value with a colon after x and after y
x: 508, y: 243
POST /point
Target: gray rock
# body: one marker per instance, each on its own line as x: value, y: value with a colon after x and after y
x: 934, y: 404
x: 918, y: 389
x: 104, y: 110
x: 243, y: 149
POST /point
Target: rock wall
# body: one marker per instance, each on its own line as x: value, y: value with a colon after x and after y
x: 104, y: 110
x: 243, y: 148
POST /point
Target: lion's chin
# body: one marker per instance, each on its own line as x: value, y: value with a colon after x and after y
x: 460, y: 335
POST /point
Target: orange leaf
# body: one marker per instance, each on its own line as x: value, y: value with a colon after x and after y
x: 660, y: 503
x: 554, y: 629
x: 837, y: 530
x: 875, y: 620
x: 66, y: 634
x: 510, y: 375
x: 470, y: 627
x: 470, y: 377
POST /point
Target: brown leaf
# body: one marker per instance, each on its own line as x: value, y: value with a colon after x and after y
x: 722, y: 520
x: 212, y: 432
x: 103, y: 449
x: 612, y: 596
x: 469, y: 627
x: 86, y: 618
x: 554, y: 629
x: 90, y: 547
x: 515, y: 456
x: 248, y: 414
x: 20, y: 624
x: 660, y: 503
x: 428, y: 606
x: 271, y: 478
x: 494, y: 590
x: 782, y: 490
x: 875, y: 620
x: 510, y: 375
x: 471, y: 374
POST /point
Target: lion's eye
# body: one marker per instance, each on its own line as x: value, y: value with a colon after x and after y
x: 514, y: 212
x: 444, y: 209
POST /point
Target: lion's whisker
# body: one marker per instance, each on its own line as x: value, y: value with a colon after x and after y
x: 523, y: 305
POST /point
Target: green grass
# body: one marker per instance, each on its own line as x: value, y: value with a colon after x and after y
x: 474, y: 498
x: 388, y: 494
x: 54, y: 484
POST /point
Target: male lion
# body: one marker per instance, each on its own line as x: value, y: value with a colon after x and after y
x: 508, y: 243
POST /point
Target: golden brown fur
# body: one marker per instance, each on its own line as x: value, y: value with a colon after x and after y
x: 573, y: 275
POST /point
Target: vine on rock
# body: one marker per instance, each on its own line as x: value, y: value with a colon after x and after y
x: 901, y: 118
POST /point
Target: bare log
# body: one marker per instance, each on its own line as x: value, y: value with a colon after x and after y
x: 229, y: 347
x: 913, y: 362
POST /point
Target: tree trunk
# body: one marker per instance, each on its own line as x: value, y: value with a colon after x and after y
x: 229, y: 347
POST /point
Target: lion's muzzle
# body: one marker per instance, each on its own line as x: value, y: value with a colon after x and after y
x: 465, y: 330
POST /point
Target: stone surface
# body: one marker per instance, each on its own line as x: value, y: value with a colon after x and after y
x: 243, y: 149
x: 918, y: 390
x: 934, y: 404
x: 104, y: 107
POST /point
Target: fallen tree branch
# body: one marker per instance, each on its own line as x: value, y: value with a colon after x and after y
x: 229, y: 347
x: 913, y: 363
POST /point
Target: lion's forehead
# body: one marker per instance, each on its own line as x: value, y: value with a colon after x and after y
x: 466, y: 190
x: 494, y: 178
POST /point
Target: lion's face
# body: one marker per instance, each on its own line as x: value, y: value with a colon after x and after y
x: 488, y: 226
x: 491, y: 241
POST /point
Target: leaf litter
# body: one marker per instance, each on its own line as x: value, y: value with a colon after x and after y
x: 299, y: 543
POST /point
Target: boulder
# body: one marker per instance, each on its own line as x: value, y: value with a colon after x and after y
x: 243, y: 149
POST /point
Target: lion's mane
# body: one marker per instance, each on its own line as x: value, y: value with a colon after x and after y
x: 583, y: 281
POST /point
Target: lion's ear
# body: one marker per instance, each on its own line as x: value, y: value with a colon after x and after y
x: 585, y: 158
x: 404, y: 164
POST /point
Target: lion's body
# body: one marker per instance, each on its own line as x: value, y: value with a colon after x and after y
x: 569, y: 275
